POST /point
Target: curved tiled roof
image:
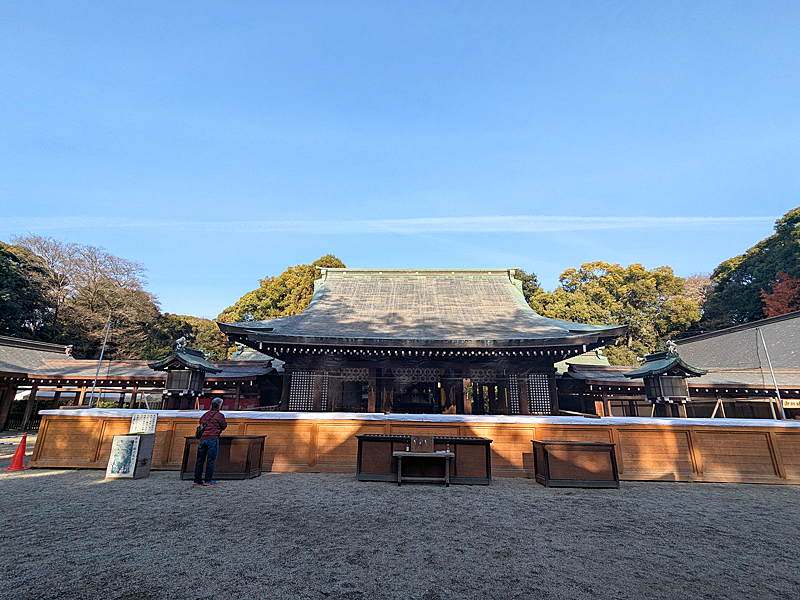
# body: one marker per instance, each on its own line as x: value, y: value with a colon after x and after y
x: 421, y: 307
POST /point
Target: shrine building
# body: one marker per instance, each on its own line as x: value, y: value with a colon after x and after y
x: 420, y: 341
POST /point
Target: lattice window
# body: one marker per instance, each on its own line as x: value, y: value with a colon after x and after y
x: 301, y: 393
x: 415, y: 375
x: 323, y: 401
x: 355, y: 374
x: 482, y: 375
x: 513, y: 393
x: 539, y: 394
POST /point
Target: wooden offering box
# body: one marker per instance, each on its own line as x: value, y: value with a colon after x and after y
x: 471, y: 462
x: 239, y: 457
x: 575, y: 464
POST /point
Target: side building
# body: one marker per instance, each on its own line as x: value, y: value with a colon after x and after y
x: 420, y: 341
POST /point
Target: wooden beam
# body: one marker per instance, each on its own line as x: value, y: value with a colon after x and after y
x: 29, y: 406
x: 6, y: 398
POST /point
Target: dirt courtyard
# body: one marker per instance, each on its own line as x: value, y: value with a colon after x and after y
x: 71, y: 534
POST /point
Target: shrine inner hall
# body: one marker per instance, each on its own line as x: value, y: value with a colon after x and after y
x: 420, y: 341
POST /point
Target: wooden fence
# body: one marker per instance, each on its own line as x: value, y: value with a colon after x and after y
x: 647, y: 449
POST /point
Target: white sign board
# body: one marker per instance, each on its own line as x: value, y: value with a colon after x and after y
x: 143, y: 423
x: 124, y: 452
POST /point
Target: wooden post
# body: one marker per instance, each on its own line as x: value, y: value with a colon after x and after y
x: 6, y: 398
x: 599, y: 408
x: 82, y: 397
x: 287, y: 382
x: 607, y: 405
x: 29, y: 406
x: 238, y: 397
x: 372, y: 390
x: 682, y: 410
x: 492, y: 394
x: 121, y: 399
x: 133, y: 397
x: 467, y: 395
x: 522, y: 386
x: 56, y: 398
x: 551, y: 383
x: 335, y: 387
x: 316, y: 394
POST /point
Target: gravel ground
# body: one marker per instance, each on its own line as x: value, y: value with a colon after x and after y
x: 71, y: 534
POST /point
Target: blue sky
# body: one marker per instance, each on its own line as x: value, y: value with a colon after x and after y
x: 218, y: 143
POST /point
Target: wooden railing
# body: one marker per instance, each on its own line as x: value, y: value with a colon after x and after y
x: 646, y: 449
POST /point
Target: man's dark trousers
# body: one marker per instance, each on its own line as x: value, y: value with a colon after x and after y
x: 206, y: 451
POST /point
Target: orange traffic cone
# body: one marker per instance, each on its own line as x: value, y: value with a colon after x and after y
x: 19, y: 455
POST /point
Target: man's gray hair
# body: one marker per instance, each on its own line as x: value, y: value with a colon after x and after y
x: 216, y: 403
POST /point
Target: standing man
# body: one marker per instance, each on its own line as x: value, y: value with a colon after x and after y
x: 209, y: 443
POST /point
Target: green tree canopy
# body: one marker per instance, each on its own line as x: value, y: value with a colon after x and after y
x: 287, y: 294
x: 24, y: 305
x: 650, y: 302
x: 530, y: 283
x: 738, y: 282
x: 202, y: 334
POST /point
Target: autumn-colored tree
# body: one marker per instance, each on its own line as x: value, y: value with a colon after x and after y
x: 738, y: 282
x: 650, y: 302
x: 784, y: 297
x: 288, y: 294
x: 86, y: 286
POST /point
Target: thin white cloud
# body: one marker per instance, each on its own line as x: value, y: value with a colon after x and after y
x: 486, y: 224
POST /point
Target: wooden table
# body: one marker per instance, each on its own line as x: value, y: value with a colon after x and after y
x: 377, y: 461
x: 424, y: 456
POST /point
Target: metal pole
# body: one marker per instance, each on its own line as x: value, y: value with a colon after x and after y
x: 100, y: 362
x: 775, y: 383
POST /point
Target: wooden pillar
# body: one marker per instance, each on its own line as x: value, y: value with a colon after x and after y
x: 335, y: 388
x: 82, y: 397
x: 238, y: 397
x: 372, y: 390
x: 287, y: 383
x: 56, y: 398
x: 134, y: 395
x: 387, y: 395
x: 6, y: 398
x: 466, y: 386
x: 632, y: 408
x: 121, y: 402
x: 478, y: 407
x: 551, y: 381
x: 524, y: 409
x: 316, y: 394
x: 492, y: 392
x: 524, y: 403
x: 682, y: 410
x: 606, y: 405
x: 599, y: 408
x: 29, y: 407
